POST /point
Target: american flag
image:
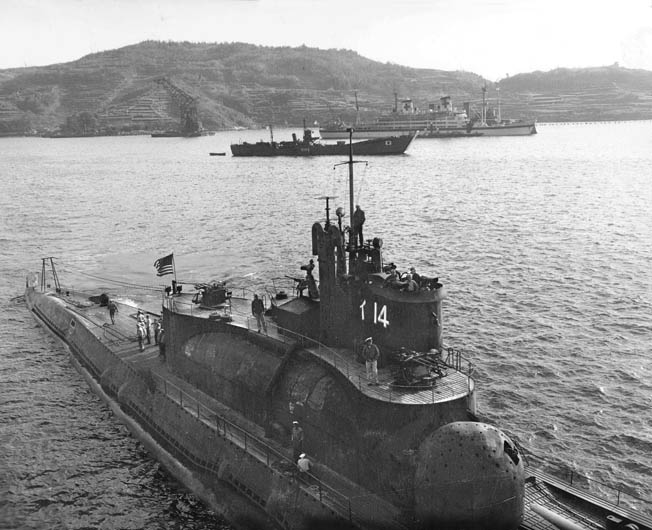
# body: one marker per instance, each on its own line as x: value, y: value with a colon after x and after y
x: 165, y: 265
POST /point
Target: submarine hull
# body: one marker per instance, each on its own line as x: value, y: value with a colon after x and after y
x: 209, y: 459
x: 370, y: 442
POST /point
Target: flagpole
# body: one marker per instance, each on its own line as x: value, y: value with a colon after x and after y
x: 174, y: 268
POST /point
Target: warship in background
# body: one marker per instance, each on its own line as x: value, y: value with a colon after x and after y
x: 441, y: 120
x: 405, y: 450
x: 311, y: 145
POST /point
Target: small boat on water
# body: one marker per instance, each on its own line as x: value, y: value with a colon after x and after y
x: 439, y: 121
x: 311, y: 145
x: 353, y: 376
x: 176, y: 134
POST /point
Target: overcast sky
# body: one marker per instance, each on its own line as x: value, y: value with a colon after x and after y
x: 493, y: 38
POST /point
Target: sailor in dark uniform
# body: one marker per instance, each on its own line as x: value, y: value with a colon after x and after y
x: 415, y: 276
x: 113, y: 309
x: 297, y: 440
x: 357, y: 221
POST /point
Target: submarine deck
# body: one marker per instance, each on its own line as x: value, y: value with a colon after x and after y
x: 454, y: 385
x: 328, y: 487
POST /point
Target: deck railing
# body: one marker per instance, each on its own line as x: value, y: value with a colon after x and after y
x: 392, y: 392
x: 612, y: 494
x: 257, y: 447
x: 250, y: 443
x: 457, y: 361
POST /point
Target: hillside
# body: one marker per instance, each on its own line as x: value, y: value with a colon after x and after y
x: 581, y: 94
x: 157, y: 85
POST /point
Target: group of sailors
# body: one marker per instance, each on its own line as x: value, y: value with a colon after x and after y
x: 145, y: 328
x: 410, y: 282
x: 300, y: 458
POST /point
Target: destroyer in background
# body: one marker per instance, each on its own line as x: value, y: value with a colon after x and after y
x: 401, y: 450
x: 439, y: 121
x: 310, y: 145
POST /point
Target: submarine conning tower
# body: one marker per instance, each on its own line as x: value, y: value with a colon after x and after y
x: 361, y: 296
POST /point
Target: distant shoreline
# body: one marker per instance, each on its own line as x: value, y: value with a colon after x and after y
x: 239, y: 129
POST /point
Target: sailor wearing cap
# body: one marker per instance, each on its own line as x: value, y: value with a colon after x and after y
x: 416, y: 277
x: 297, y: 440
x: 371, y: 353
x: 410, y: 285
x: 303, y: 463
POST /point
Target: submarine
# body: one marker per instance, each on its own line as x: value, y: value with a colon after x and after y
x: 217, y: 404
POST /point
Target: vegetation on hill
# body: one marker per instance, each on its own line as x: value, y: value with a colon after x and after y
x: 582, y: 94
x: 157, y: 85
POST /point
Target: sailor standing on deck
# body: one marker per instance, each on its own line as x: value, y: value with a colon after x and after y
x: 357, y: 221
x: 148, y: 328
x: 370, y: 352
x: 304, y: 467
x: 297, y: 440
x: 303, y: 463
x: 141, y: 333
x: 161, y: 343
x: 157, y: 329
x: 113, y: 309
x: 313, y: 291
x: 258, y: 310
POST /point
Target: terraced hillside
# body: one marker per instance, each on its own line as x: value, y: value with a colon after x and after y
x: 587, y: 94
x: 245, y: 85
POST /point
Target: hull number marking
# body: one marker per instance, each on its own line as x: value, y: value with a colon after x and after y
x: 379, y: 316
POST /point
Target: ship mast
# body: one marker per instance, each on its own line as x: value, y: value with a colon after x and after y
x: 54, y: 274
x: 500, y: 118
x: 350, y: 162
x: 351, y: 202
x: 357, y: 109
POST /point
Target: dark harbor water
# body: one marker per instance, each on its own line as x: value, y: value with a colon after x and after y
x: 544, y: 244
